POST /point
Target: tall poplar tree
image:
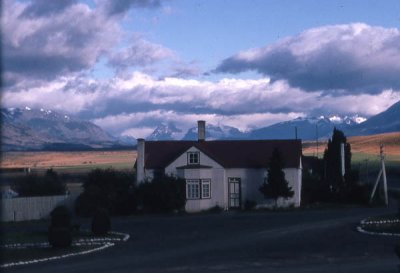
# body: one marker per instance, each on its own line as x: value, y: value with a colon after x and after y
x: 332, y: 161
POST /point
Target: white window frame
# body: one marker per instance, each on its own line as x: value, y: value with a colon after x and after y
x: 195, y: 189
x: 191, y: 160
x: 191, y: 192
x: 206, y: 182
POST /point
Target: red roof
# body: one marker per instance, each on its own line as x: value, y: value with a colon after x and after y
x: 228, y: 153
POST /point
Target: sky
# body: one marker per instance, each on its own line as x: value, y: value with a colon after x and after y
x: 131, y: 65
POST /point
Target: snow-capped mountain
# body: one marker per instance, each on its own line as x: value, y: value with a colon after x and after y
x: 27, y: 129
x: 384, y: 122
x: 352, y: 120
x: 214, y: 132
x: 307, y: 129
x: 165, y: 131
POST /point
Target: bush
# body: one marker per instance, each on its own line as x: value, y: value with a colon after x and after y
x: 35, y: 185
x: 250, y: 204
x: 163, y: 194
x: 60, y: 217
x: 101, y: 223
x: 107, y: 189
x: 214, y: 209
x: 60, y: 236
x: 59, y: 233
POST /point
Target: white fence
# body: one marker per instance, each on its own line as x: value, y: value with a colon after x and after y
x: 32, y: 208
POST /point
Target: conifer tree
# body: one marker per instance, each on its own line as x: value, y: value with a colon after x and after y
x: 276, y: 185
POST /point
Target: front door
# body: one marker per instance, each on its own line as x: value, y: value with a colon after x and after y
x: 234, y: 192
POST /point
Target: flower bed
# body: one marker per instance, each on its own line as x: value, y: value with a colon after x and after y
x: 23, y: 253
x: 388, y: 225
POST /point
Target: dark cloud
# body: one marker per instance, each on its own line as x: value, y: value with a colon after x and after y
x: 38, y: 8
x: 340, y: 59
x: 117, y: 7
x: 71, y: 40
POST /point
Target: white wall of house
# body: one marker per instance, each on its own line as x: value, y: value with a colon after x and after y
x: 251, y: 180
x: 293, y: 176
x: 215, y: 173
x: 182, y: 161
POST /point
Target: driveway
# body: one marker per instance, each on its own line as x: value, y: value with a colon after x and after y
x: 320, y: 240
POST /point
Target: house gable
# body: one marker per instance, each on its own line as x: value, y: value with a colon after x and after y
x: 181, y: 162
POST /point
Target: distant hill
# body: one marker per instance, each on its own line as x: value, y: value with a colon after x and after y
x: 37, y: 129
x: 363, y: 144
x: 384, y: 122
x: 307, y: 128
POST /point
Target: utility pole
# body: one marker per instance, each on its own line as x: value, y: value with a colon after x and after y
x: 382, y: 172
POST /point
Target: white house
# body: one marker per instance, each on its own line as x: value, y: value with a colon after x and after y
x: 225, y: 173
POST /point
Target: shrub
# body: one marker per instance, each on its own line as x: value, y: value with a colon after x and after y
x: 60, y: 217
x: 60, y: 236
x: 214, y: 209
x: 163, y: 194
x: 107, y: 189
x: 250, y: 204
x: 101, y: 223
x: 35, y: 185
x: 59, y: 233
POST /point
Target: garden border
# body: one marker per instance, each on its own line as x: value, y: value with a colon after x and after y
x: 377, y: 222
x: 102, y: 242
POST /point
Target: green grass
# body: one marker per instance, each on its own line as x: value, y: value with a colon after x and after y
x: 361, y: 157
x: 90, y: 167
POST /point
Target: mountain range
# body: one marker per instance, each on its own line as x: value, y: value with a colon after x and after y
x: 38, y: 129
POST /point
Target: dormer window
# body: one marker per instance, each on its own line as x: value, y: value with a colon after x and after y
x: 193, y: 158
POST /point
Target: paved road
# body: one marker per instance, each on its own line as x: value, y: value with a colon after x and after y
x: 296, y: 241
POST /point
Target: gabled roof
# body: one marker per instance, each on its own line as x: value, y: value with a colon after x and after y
x: 228, y: 153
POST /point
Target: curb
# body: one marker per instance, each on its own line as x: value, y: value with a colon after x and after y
x: 102, y: 242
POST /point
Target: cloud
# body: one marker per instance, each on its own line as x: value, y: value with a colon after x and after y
x: 339, y: 59
x: 140, y: 53
x: 112, y: 8
x: 138, y: 102
x: 142, y: 124
x: 72, y: 39
x: 40, y: 8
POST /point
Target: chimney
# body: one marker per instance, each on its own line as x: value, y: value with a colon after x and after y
x: 201, y: 130
x: 140, y: 161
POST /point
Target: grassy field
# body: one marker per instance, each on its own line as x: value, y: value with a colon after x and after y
x: 363, y: 147
x: 69, y: 162
x: 365, y: 151
x: 365, y: 156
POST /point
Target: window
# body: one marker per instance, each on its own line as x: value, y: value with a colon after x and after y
x: 206, y: 188
x: 193, y: 158
x: 198, y: 188
x: 192, y: 189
